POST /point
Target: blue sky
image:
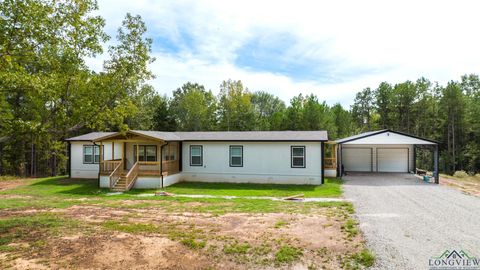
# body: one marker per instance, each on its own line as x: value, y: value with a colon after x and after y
x: 330, y: 48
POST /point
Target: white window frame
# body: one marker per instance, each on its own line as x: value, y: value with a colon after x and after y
x: 298, y: 156
x: 95, y: 152
x: 201, y: 155
x: 231, y: 156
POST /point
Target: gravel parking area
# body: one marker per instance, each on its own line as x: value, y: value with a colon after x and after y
x: 407, y: 221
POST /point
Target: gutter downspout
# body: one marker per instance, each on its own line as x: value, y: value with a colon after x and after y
x: 161, y: 162
x: 98, y: 163
x: 69, y: 164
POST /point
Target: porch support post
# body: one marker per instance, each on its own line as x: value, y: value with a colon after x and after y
x: 435, y: 165
x: 113, y: 150
x: 101, y: 152
x: 160, y: 159
x: 339, y: 161
x: 414, y: 169
x: 123, y: 152
x: 138, y: 153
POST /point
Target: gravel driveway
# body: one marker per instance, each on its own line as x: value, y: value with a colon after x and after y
x: 407, y: 221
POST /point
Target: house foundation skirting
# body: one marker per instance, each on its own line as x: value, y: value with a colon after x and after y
x: 152, y: 182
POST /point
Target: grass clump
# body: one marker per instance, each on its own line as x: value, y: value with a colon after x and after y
x: 280, y: 223
x: 193, y: 244
x: 236, y: 248
x: 130, y: 227
x: 360, y: 260
x: 364, y: 257
x: 350, y: 228
x: 288, y: 254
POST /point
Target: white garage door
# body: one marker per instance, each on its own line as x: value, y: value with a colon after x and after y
x: 392, y: 160
x: 357, y: 159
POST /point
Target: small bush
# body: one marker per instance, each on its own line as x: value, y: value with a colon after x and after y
x: 460, y: 174
x: 288, y: 254
x: 477, y: 175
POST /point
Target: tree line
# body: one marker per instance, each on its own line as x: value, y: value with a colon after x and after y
x: 48, y: 93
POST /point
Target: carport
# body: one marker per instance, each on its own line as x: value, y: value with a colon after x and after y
x: 383, y: 151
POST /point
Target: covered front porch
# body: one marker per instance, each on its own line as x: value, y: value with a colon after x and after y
x: 127, y: 157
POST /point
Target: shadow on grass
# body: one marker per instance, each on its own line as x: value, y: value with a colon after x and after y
x: 65, y: 185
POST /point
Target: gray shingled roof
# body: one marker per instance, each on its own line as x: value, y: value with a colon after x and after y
x: 254, y: 136
x: 90, y: 136
x: 320, y: 135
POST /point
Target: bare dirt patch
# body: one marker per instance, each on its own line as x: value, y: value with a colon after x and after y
x: 155, y: 239
x: 10, y: 184
x: 467, y: 186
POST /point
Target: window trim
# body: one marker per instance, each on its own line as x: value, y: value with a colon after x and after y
x: 304, y: 156
x: 92, y: 155
x: 201, y: 155
x: 144, y: 152
x: 230, y: 155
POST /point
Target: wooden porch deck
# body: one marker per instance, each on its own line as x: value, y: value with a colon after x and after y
x: 150, y: 168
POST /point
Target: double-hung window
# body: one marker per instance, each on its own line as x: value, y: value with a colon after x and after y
x: 145, y: 153
x: 196, y: 155
x: 298, y: 156
x: 236, y: 156
x: 91, y: 154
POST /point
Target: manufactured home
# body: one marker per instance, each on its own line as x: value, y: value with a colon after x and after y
x: 155, y: 159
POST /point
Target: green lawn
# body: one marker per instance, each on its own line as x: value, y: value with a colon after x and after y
x: 61, y: 192
x: 331, y: 188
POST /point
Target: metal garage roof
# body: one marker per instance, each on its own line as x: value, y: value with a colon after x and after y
x: 385, y: 136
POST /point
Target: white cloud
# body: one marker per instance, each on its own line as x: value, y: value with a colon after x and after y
x: 390, y: 41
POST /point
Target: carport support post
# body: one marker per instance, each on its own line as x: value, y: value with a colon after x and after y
x: 435, y: 165
x: 322, y: 144
x: 339, y: 161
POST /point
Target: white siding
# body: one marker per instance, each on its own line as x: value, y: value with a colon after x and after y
x: 378, y: 146
x: 78, y: 168
x: 263, y: 162
x: 87, y: 170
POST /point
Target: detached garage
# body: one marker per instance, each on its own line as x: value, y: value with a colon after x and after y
x: 382, y: 151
